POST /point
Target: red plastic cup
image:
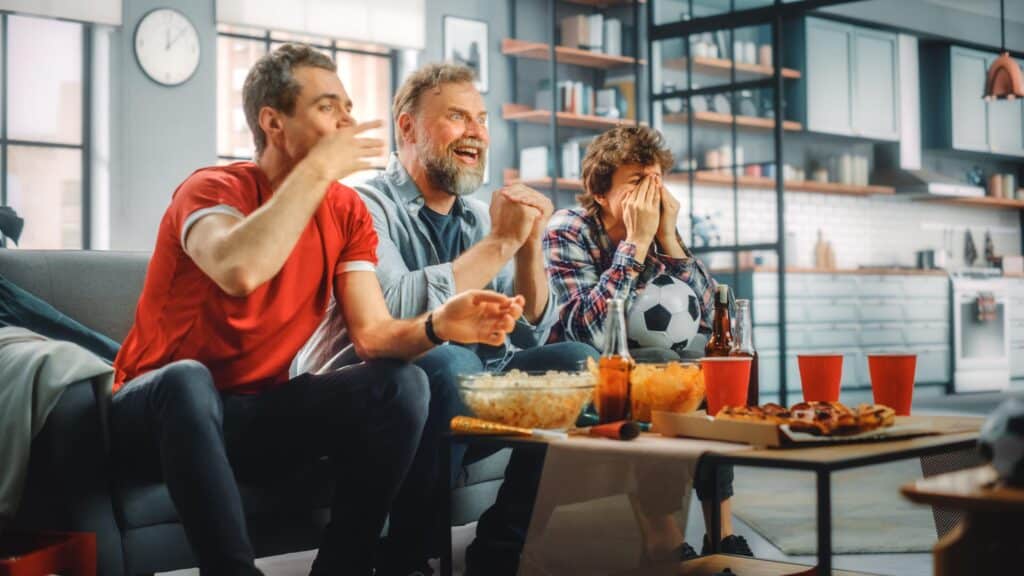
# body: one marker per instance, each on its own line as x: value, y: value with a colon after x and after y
x: 726, y: 379
x: 892, y: 380
x: 820, y: 376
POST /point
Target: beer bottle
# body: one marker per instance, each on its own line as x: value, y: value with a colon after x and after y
x: 612, y: 398
x: 720, y: 343
x: 745, y: 346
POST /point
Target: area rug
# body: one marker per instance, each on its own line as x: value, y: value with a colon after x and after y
x: 868, y: 513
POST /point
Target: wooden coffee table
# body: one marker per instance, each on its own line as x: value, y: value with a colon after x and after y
x: 962, y: 433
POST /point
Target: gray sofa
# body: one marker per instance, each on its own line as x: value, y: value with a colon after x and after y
x: 70, y: 485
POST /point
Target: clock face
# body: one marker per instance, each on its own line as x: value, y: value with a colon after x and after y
x: 167, y: 46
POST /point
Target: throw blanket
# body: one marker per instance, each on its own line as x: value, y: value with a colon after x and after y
x: 34, y: 371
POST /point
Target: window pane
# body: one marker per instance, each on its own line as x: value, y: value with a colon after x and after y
x: 45, y: 186
x: 367, y: 80
x: 44, y: 80
x: 282, y: 37
x: 234, y: 59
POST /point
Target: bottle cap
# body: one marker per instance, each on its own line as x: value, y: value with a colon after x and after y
x: 723, y: 293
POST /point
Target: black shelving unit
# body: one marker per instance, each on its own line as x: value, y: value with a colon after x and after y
x: 557, y: 59
x: 730, y: 15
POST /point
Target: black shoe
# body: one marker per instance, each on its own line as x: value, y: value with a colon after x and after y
x: 731, y: 544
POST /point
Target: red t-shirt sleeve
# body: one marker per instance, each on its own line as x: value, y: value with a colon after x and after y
x: 206, y: 192
x: 360, y: 249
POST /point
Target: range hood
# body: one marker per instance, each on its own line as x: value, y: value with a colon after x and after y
x: 899, y: 165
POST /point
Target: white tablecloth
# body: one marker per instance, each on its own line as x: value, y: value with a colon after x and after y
x: 591, y: 489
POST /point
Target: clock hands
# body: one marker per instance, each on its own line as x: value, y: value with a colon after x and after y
x: 171, y: 41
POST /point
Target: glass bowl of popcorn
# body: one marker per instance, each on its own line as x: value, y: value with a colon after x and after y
x: 548, y: 400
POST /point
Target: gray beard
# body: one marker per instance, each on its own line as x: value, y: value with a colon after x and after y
x: 444, y: 172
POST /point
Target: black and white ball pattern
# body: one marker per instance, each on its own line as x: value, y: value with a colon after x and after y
x: 666, y: 314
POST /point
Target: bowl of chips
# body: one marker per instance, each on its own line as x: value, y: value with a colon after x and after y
x: 670, y: 387
x: 548, y: 400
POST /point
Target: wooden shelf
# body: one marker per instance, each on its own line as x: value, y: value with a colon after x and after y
x: 569, y: 184
x: 981, y: 201
x: 722, y: 66
x: 710, y: 565
x: 564, y: 54
x: 708, y: 178
x: 520, y: 113
x: 726, y: 119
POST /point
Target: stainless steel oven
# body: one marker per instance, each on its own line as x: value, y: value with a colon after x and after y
x: 981, y: 331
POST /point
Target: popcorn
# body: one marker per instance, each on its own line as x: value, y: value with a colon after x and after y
x: 516, y: 398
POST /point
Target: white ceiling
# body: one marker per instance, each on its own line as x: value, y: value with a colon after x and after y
x: 1014, y: 8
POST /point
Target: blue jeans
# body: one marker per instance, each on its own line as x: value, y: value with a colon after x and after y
x: 417, y: 508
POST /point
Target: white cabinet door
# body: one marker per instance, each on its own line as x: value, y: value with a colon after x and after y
x: 875, y: 85
x: 1005, y: 125
x: 828, y: 77
x: 968, y: 69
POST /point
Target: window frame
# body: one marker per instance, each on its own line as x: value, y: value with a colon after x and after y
x: 84, y: 146
x: 268, y: 39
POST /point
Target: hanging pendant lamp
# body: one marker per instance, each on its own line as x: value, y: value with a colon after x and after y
x: 1004, y: 81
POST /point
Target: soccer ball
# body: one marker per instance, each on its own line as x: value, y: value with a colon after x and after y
x: 1002, y: 441
x: 666, y: 314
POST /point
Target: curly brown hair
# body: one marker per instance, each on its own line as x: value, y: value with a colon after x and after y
x: 621, y: 145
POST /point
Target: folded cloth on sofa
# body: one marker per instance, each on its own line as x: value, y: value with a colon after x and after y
x: 19, y: 307
x: 34, y: 371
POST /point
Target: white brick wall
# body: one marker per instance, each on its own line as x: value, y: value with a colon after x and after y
x: 863, y: 230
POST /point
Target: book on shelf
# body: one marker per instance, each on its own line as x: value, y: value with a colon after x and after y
x: 583, y: 31
x: 613, y: 37
x: 626, y: 85
x: 572, y: 157
x: 534, y: 163
x: 606, y: 103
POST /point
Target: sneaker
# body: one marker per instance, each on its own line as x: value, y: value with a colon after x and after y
x: 731, y: 544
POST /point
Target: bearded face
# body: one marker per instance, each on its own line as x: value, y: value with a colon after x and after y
x: 457, y: 168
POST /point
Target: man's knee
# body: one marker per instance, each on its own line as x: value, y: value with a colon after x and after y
x: 444, y: 365
x: 186, y: 389
x: 405, y: 389
x: 570, y: 356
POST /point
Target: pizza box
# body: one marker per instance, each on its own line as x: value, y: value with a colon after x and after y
x: 765, y: 434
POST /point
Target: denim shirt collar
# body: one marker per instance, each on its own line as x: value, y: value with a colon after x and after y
x: 408, y: 193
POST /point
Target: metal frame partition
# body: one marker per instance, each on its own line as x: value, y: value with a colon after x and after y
x: 553, y: 62
x: 774, y: 15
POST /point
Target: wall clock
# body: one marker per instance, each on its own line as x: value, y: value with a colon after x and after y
x: 167, y: 46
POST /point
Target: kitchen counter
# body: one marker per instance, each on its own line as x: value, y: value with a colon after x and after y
x: 859, y: 271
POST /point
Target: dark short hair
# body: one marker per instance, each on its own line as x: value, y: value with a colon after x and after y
x: 625, y: 144
x: 271, y: 82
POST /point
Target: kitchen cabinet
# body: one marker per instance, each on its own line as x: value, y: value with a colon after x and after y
x: 852, y: 314
x: 852, y: 85
x: 959, y: 118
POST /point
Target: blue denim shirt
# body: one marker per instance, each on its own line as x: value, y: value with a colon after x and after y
x: 412, y: 277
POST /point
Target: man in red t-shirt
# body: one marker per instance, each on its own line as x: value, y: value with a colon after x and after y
x: 247, y: 258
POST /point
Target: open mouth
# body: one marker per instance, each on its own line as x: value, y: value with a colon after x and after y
x: 468, y: 154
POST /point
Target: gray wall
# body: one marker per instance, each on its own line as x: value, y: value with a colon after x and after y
x: 158, y: 134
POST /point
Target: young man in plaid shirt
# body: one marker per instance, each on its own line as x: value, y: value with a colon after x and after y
x: 622, y: 236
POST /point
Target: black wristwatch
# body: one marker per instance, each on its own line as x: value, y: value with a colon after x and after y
x: 431, y: 335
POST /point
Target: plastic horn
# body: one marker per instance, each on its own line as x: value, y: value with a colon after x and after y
x: 468, y: 425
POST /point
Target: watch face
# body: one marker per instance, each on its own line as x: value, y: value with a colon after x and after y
x: 167, y: 46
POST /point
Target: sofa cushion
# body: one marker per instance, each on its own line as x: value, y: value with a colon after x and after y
x: 18, y: 307
x: 100, y: 289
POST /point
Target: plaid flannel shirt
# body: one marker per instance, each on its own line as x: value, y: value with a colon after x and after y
x: 587, y: 270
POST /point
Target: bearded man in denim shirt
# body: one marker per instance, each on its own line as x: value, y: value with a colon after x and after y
x: 435, y: 241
